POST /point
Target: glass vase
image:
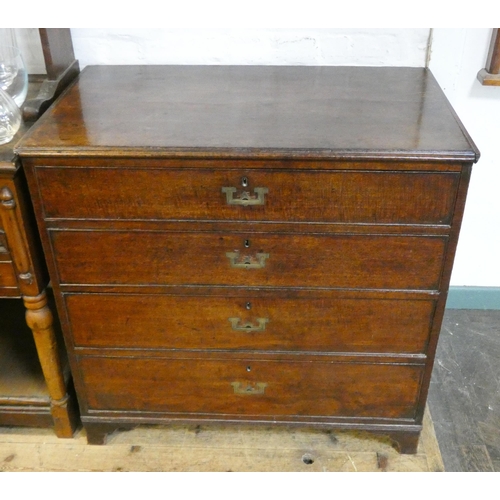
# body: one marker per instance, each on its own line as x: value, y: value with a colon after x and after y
x: 13, y: 74
x: 10, y: 117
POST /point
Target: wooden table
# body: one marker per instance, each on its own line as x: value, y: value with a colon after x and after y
x: 34, y: 374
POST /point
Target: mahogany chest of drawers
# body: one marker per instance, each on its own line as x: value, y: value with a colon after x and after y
x: 251, y: 244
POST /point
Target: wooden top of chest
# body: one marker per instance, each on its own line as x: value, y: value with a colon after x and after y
x: 253, y: 112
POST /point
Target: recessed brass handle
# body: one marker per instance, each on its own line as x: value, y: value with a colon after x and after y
x: 245, y: 198
x: 249, y: 388
x: 247, y: 326
x: 247, y: 261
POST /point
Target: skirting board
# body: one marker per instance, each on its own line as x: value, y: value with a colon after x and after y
x: 473, y: 297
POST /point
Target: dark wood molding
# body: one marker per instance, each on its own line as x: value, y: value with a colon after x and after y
x: 61, y: 66
x: 490, y: 75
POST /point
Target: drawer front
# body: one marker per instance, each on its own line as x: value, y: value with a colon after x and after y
x: 242, y: 388
x: 273, y: 260
x: 7, y: 275
x: 323, y: 324
x: 198, y: 194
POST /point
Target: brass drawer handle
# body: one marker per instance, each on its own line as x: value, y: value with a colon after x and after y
x: 247, y: 261
x: 249, y: 388
x: 247, y: 326
x: 245, y: 198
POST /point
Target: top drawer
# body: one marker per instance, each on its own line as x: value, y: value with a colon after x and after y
x: 225, y: 194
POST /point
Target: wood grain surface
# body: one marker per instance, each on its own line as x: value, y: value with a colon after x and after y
x: 321, y: 322
x: 197, y: 448
x: 166, y: 193
x: 335, y: 112
x: 294, y: 260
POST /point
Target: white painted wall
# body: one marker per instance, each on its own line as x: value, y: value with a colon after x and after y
x: 455, y: 58
x: 308, y: 46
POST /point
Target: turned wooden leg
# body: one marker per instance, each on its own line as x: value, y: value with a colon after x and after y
x: 39, y: 319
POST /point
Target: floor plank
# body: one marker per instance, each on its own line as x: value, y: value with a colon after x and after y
x: 212, y: 448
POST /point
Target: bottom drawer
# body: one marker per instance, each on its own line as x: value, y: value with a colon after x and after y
x: 243, y: 387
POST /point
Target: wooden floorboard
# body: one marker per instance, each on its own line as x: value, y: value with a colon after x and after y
x: 212, y: 449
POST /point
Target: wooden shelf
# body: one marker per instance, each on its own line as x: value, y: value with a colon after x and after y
x: 24, y: 396
x: 29, y: 395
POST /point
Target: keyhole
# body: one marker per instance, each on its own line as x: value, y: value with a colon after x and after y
x: 247, y: 243
x: 244, y: 181
x: 249, y: 368
x: 248, y: 305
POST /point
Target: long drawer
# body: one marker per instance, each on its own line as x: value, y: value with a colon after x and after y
x: 263, y: 195
x: 240, y: 387
x: 269, y: 260
x: 323, y: 323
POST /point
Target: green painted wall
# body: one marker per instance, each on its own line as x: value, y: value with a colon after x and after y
x: 473, y: 297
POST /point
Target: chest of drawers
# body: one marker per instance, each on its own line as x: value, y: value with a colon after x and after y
x: 251, y: 244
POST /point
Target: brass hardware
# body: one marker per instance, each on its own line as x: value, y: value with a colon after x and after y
x: 26, y: 278
x: 247, y: 261
x: 3, y: 249
x: 244, y: 182
x: 249, y: 388
x: 248, y: 306
x: 245, y: 198
x: 247, y: 326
